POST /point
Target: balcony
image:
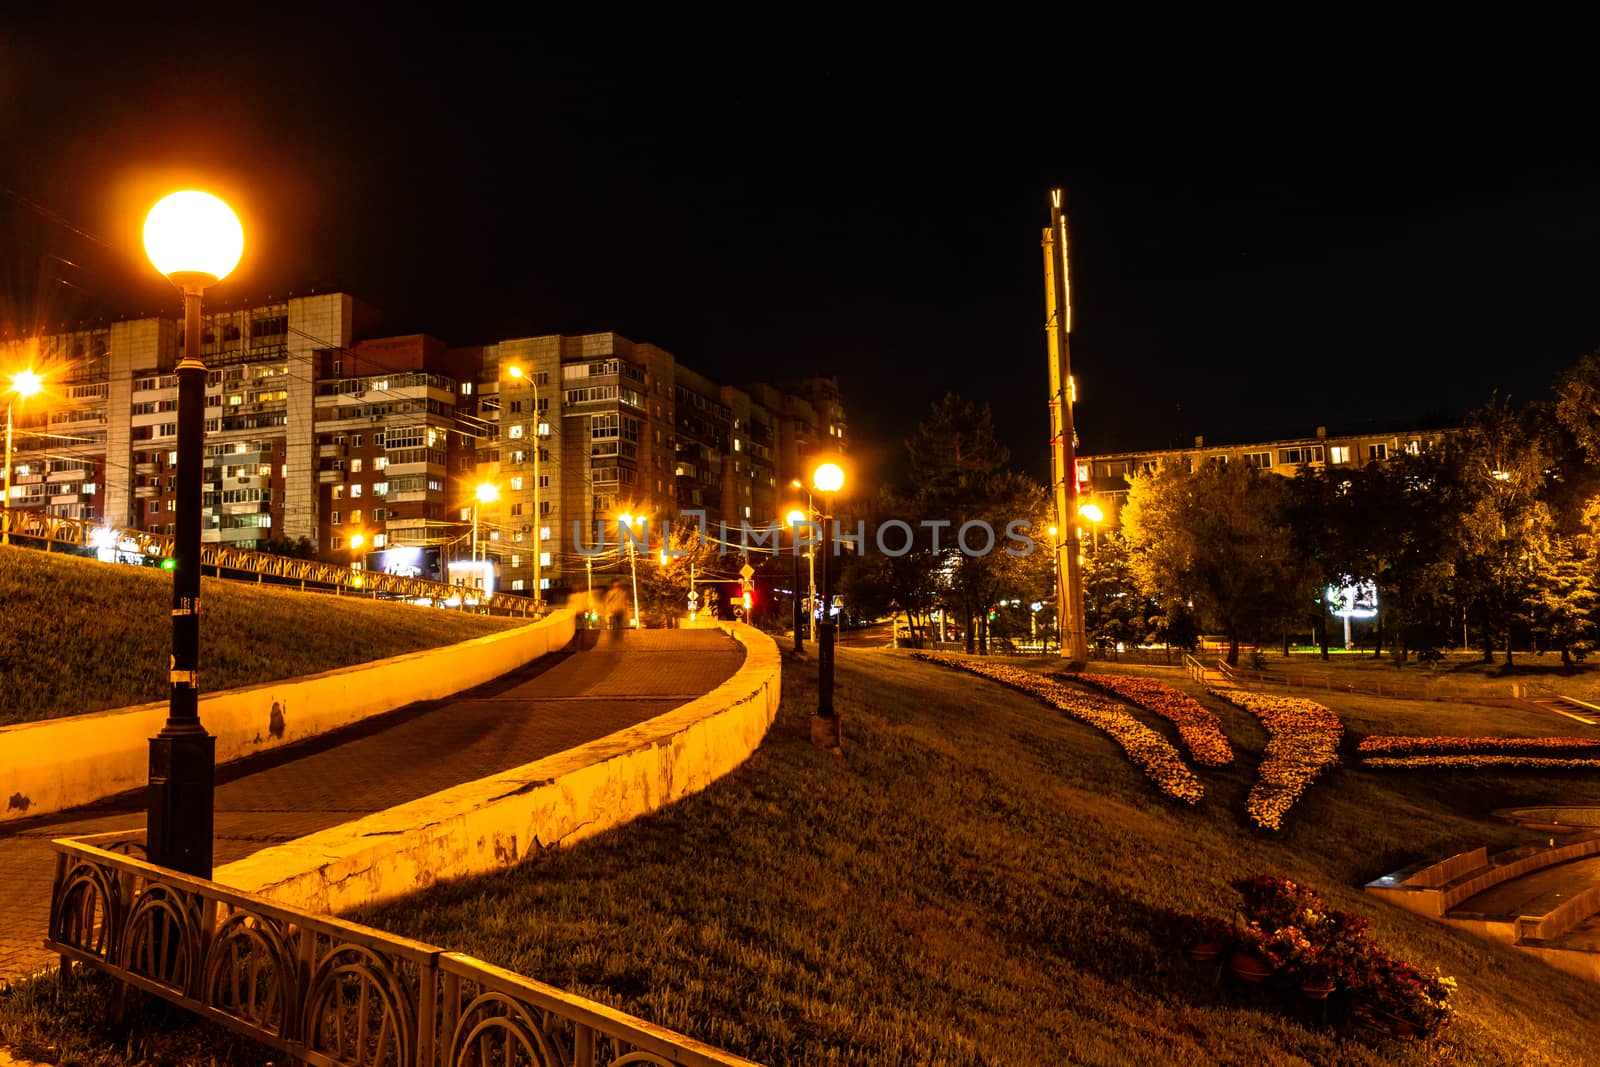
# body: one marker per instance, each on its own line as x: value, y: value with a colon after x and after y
x: 145, y: 468
x: 330, y: 477
x: 332, y: 451
x: 146, y: 492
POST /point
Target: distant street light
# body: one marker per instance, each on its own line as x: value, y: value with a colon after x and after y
x: 633, y: 563
x: 24, y: 383
x: 1095, y: 516
x: 487, y: 493
x: 811, y: 561
x: 827, y: 479
x: 795, y: 518
x: 196, y: 241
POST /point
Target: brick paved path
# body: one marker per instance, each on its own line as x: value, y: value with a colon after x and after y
x: 555, y: 703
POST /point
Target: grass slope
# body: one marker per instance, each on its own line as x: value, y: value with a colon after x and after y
x: 78, y: 635
x: 980, y: 879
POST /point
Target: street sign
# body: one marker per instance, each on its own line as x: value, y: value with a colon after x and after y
x: 693, y: 596
x: 747, y: 572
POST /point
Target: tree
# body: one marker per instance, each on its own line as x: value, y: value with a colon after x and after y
x: 1505, y: 532
x: 1115, y: 611
x: 1217, y: 538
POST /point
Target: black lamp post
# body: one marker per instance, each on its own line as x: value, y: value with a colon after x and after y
x: 827, y: 479
x: 195, y: 240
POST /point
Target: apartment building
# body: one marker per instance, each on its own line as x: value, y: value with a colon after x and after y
x: 604, y: 426
x: 1103, y: 478
x: 373, y: 448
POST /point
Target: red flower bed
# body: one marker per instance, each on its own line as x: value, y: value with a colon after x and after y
x: 1385, y: 745
x: 1197, y: 726
x: 1294, y: 943
x: 1303, y: 742
x: 1470, y: 762
x: 1146, y: 749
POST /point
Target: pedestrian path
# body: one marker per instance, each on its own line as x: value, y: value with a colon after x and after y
x: 553, y: 704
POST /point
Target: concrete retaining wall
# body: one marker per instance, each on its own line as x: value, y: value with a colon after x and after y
x: 110, y: 751
x: 497, y: 821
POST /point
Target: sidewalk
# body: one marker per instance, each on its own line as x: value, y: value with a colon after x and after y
x: 557, y: 702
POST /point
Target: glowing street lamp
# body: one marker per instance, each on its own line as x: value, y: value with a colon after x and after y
x: 487, y: 493
x: 24, y: 383
x: 1095, y: 516
x: 195, y: 240
x: 827, y: 479
x: 633, y: 563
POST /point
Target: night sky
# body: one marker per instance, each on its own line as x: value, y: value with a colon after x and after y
x: 1275, y: 226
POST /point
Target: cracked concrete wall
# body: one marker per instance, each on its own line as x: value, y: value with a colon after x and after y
x: 110, y: 750
x: 497, y: 821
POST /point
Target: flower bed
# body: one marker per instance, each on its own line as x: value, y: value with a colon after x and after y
x: 1146, y: 749
x: 1197, y: 726
x: 1303, y: 741
x: 1467, y: 762
x: 1288, y: 943
x: 1383, y: 745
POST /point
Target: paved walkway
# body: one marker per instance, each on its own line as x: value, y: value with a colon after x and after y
x: 558, y: 702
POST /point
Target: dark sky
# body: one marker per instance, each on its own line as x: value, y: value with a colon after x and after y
x: 1275, y: 225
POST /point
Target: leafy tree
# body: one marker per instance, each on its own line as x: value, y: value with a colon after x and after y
x: 1216, y: 538
x: 1114, y: 609
x: 1505, y: 534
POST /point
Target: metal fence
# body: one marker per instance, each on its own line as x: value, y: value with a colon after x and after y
x: 329, y: 992
x: 236, y: 562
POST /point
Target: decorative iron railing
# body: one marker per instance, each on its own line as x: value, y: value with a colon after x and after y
x: 226, y: 561
x: 330, y: 992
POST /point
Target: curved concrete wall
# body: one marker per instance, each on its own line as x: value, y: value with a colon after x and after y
x: 495, y: 822
x: 110, y: 750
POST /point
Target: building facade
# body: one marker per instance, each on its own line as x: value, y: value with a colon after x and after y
x: 373, y: 449
x: 1103, y: 478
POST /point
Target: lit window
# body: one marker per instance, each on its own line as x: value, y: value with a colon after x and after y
x: 355, y: 516
x: 515, y: 431
x: 334, y: 519
x: 266, y: 470
x: 355, y: 466
x: 381, y: 463
x: 544, y: 533
x: 516, y: 560
x: 380, y: 540
x: 1338, y: 453
x: 516, y: 483
x: 544, y: 559
x: 355, y: 491
x: 544, y: 429
x: 338, y: 492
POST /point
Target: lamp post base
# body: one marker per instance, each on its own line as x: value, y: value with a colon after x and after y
x: 182, y: 777
x: 825, y: 733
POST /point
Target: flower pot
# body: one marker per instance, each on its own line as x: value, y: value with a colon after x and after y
x: 1205, y: 951
x: 1249, y: 968
x: 1317, y: 988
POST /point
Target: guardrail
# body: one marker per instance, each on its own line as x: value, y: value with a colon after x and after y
x: 325, y: 991
x: 76, y: 533
x: 1196, y: 669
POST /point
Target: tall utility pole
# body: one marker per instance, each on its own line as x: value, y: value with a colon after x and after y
x: 1063, y: 439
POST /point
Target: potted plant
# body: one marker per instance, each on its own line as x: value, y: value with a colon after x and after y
x: 1206, y: 936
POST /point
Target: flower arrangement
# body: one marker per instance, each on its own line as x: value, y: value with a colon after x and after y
x: 1524, y: 753
x: 1303, y: 741
x: 1301, y: 944
x: 1145, y: 748
x: 1389, y: 745
x: 1199, y: 729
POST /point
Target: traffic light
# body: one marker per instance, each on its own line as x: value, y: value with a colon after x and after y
x: 749, y: 591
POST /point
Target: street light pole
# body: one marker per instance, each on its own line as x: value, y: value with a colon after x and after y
x: 195, y: 240
x: 828, y: 479
x: 633, y: 565
x: 23, y: 384
x: 795, y: 519
x: 1063, y: 437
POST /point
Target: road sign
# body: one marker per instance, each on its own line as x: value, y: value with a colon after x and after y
x: 693, y: 596
x: 747, y: 572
